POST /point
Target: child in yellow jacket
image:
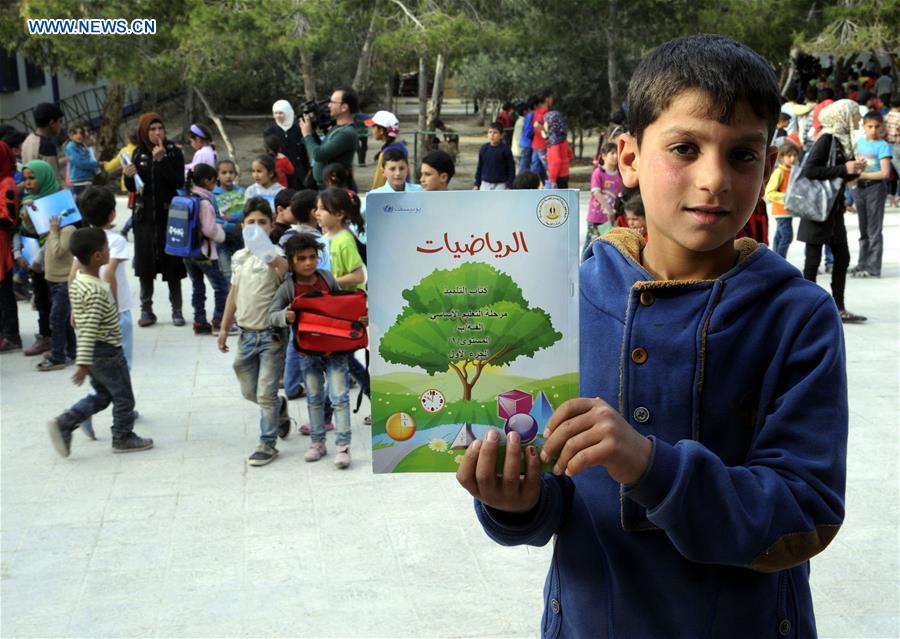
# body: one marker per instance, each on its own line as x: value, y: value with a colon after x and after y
x: 788, y: 155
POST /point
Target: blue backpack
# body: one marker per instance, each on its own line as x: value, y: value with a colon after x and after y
x: 183, y: 236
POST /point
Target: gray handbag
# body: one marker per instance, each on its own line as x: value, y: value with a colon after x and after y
x: 811, y: 199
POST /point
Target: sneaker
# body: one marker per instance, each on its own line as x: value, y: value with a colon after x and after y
x: 147, y: 319
x: 342, y: 457
x: 263, y: 454
x: 50, y: 365
x: 298, y: 394
x: 41, y: 345
x: 316, y: 451
x: 861, y: 274
x: 849, y: 318
x: 202, y: 328
x: 131, y: 443
x: 304, y: 429
x: 62, y: 441
x: 8, y: 345
x: 88, y: 427
x: 177, y: 318
x: 284, y: 427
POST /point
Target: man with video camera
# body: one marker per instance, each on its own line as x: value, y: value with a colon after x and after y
x: 340, y: 142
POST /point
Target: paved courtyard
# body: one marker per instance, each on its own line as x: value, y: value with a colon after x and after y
x: 186, y: 540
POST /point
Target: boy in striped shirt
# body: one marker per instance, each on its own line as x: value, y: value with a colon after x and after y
x: 99, y: 352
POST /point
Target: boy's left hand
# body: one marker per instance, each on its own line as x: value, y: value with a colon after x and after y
x: 586, y: 432
x: 80, y: 373
x: 54, y: 224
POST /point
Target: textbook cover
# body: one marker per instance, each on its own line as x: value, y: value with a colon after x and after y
x: 60, y: 204
x: 473, y: 320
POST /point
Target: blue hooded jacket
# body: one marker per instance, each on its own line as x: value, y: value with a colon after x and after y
x: 740, y: 383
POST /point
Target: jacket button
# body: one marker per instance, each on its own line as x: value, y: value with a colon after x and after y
x: 639, y: 355
x: 641, y: 415
x: 647, y: 298
x: 554, y: 606
x: 784, y: 627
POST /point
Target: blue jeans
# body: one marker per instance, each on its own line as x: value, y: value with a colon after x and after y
x: 539, y: 163
x: 126, y: 325
x: 196, y: 269
x: 111, y: 383
x: 525, y: 159
x: 784, y: 235
x: 258, y: 364
x: 225, y: 250
x: 292, y: 377
x: 62, y: 335
x: 335, y: 368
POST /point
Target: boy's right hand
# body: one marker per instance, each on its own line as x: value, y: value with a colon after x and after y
x: 509, y: 492
x: 130, y: 170
x: 80, y: 374
x: 223, y: 338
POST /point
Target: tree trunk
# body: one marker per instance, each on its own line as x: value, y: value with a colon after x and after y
x: 437, y: 93
x: 612, y: 64
x: 218, y: 122
x: 309, y: 76
x: 110, y: 120
x: 482, y: 110
x: 190, y: 111
x: 423, y: 93
x: 364, y: 64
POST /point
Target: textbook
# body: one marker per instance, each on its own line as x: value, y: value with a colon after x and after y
x: 473, y: 320
x: 60, y: 204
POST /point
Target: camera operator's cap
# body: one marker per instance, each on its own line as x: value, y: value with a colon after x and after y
x: 387, y: 120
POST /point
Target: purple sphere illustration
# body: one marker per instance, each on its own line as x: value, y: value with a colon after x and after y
x: 524, y: 424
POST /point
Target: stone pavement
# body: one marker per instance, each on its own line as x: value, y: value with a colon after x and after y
x: 187, y: 541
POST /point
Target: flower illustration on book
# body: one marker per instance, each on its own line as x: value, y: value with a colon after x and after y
x: 438, y: 445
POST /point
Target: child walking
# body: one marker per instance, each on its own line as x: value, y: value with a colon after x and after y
x: 705, y: 462
x: 200, y: 182
x: 496, y: 167
x: 82, y: 165
x: 99, y: 352
x: 302, y: 252
x: 230, y: 202
x: 788, y: 154
x: 259, y: 360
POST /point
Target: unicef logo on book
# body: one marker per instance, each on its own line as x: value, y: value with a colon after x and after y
x: 553, y: 211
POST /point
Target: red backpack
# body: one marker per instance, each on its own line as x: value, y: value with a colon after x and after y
x: 329, y: 323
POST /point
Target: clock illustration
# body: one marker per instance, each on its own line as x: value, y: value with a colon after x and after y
x: 433, y: 400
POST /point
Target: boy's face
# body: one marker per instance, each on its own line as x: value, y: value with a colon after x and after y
x: 782, y: 122
x: 55, y: 126
x: 227, y: 174
x: 789, y: 159
x: 101, y: 257
x: 699, y: 178
x: 494, y: 136
x: 260, y: 219
x: 284, y: 215
x: 305, y: 263
x: 872, y: 129
x: 431, y: 180
x: 635, y: 221
x: 396, y: 172
x: 29, y: 179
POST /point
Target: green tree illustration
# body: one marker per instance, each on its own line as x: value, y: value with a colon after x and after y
x: 463, y: 320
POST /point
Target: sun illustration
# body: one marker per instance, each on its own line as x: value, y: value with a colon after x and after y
x: 438, y: 445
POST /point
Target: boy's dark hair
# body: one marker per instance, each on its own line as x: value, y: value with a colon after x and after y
x: 199, y: 173
x: 268, y: 162
x: 45, y: 113
x: 811, y: 93
x: 506, y: 106
x: 440, y: 161
x: 96, y: 203
x: 783, y: 117
x: 302, y: 204
x: 274, y: 143
x: 635, y: 204
x: 873, y: 116
x: 532, y: 102
x: 496, y: 126
x: 283, y: 198
x: 335, y: 201
x: 336, y: 174
x: 394, y: 155
x: 349, y: 97
x: 85, y: 242
x: 14, y: 138
x: 728, y: 71
x: 895, y: 101
x: 826, y: 94
x: 260, y: 204
x: 787, y: 148
x: 546, y: 93
x: 300, y: 242
x: 526, y: 180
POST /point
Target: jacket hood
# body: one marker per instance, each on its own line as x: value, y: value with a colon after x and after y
x: 617, y: 254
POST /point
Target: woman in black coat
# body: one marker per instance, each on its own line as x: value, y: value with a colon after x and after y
x: 292, y: 146
x: 838, y: 120
x: 160, y: 165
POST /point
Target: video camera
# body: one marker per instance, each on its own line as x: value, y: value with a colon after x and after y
x: 319, y: 112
